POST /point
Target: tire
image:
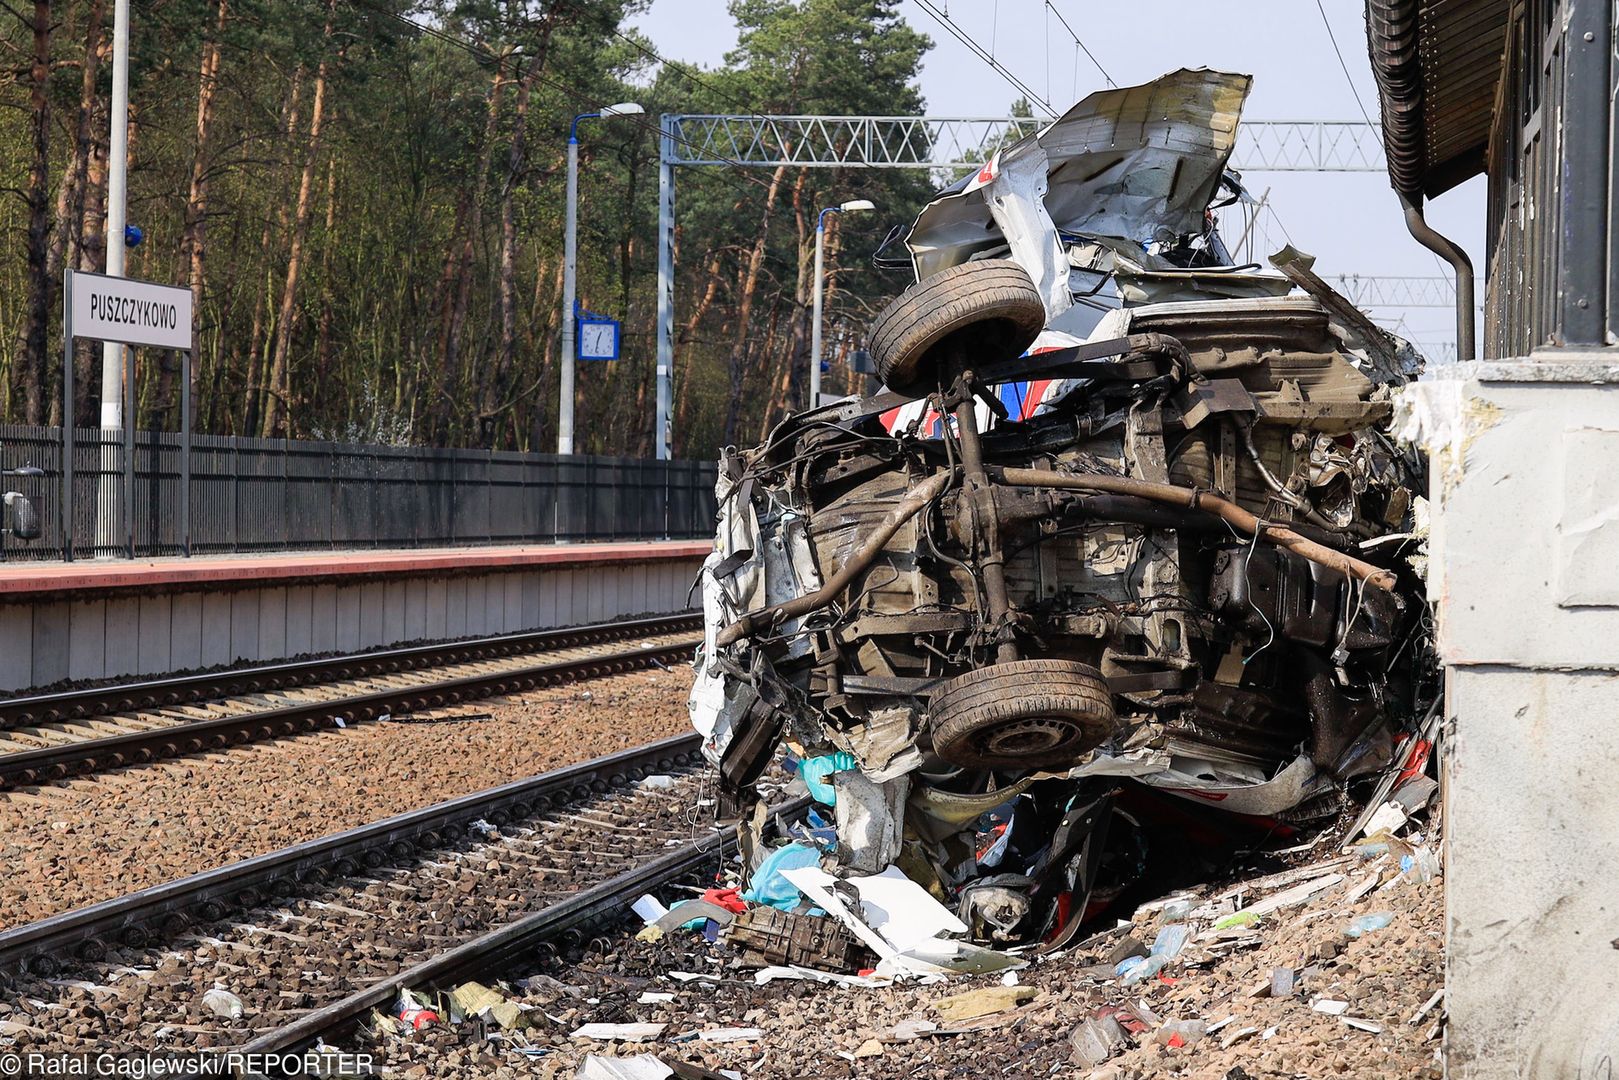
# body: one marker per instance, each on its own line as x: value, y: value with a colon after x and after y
x: 1028, y: 714
x: 977, y: 313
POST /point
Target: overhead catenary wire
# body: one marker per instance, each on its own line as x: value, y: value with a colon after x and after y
x: 1359, y: 104
x: 1256, y: 233
x: 1080, y: 45
x: 944, y: 20
x: 1274, y: 216
x: 1364, y: 115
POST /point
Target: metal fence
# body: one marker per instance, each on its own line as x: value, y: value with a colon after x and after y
x: 252, y: 495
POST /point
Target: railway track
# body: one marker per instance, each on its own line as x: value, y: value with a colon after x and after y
x: 499, y: 948
x: 56, y: 736
x: 310, y: 939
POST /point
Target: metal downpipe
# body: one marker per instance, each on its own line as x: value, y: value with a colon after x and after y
x: 1442, y: 246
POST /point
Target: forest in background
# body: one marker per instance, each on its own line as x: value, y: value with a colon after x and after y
x: 366, y: 198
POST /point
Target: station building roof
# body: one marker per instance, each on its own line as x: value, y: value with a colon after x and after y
x: 1438, y: 65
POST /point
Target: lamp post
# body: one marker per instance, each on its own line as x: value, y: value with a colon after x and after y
x: 851, y: 206
x: 112, y: 403
x: 113, y: 355
x: 569, y: 260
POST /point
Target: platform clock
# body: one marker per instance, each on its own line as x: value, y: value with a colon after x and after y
x: 599, y: 338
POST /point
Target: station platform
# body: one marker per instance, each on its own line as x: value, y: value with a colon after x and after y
x: 68, y: 622
x: 32, y: 579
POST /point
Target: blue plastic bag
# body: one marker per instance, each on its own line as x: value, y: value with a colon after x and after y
x: 769, y: 887
x: 1170, y: 941
x: 815, y: 770
x: 1146, y: 969
x: 1377, y: 920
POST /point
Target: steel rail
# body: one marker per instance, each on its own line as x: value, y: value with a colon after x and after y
x: 81, y: 704
x: 501, y: 946
x: 46, y: 763
x: 206, y: 897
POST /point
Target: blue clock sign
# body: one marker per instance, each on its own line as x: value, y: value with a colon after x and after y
x: 599, y: 337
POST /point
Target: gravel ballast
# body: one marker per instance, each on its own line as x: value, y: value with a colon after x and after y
x: 93, y: 839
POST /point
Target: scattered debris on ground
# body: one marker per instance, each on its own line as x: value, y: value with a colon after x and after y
x: 1331, y: 967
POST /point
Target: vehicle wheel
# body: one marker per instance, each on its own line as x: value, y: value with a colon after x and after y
x: 1027, y: 714
x: 982, y: 312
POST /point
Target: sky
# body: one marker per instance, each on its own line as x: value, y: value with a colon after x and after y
x: 1351, y: 222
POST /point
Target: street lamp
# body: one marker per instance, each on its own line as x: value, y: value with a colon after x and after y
x: 852, y: 206
x: 569, y: 259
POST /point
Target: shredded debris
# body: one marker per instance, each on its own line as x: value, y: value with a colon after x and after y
x: 1300, y: 996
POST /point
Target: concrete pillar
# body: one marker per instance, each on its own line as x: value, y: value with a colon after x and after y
x: 1525, y: 570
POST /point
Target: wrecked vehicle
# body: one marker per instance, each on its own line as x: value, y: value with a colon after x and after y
x: 1103, y: 564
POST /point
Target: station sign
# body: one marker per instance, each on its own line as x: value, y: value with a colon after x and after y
x: 128, y: 311
x: 125, y: 312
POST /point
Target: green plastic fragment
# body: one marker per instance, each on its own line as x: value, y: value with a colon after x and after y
x: 1241, y: 918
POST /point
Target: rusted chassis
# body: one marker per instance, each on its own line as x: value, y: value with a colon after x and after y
x: 920, y: 540
x: 985, y: 502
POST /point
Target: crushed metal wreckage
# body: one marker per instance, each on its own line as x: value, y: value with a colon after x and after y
x: 1118, y: 569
